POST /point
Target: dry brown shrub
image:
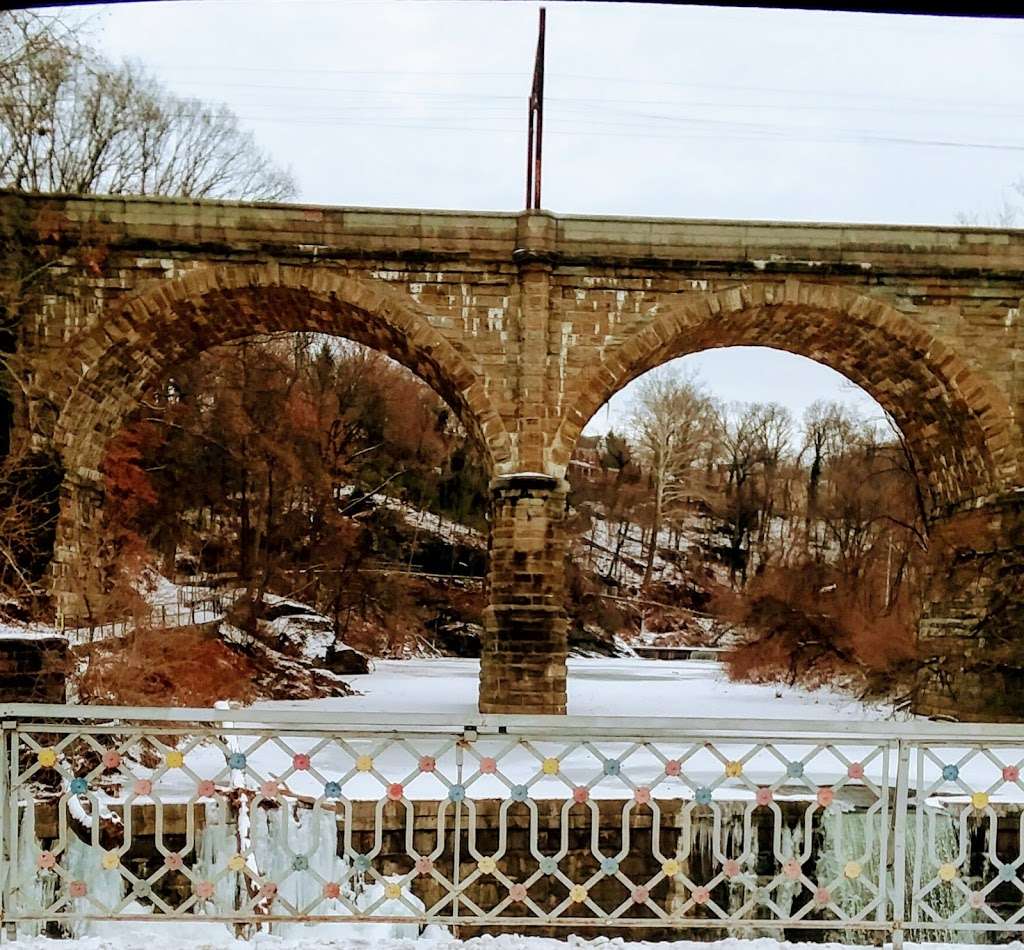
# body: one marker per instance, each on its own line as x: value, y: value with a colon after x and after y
x: 802, y: 627
x: 400, y: 618
x: 189, y: 666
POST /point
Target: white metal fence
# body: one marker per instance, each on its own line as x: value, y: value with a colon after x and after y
x: 260, y: 818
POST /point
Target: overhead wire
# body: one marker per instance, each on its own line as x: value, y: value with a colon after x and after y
x: 640, y: 125
x: 939, y: 103
x: 1000, y: 111
x: 422, y: 109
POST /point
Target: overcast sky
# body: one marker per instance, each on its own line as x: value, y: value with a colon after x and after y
x: 651, y: 110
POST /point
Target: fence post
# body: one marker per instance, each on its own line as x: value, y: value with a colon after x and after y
x: 469, y: 734
x: 7, y: 828
x: 899, y: 844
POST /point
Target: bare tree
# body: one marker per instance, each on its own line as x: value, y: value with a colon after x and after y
x: 773, y: 432
x: 29, y: 489
x: 737, y: 446
x: 72, y: 121
x: 670, y: 426
x: 829, y: 430
x: 1009, y: 213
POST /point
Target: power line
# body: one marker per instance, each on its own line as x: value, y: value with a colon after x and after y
x: 385, y: 99
x: 938, y: 104
x: 572, y: 121
x: 962, y: 107
x: 702, y: 128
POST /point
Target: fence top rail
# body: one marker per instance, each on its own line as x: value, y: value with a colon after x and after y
x: 557, y: 727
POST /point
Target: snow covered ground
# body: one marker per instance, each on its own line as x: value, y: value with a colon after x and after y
x: 602, y: 540
x: 34, y: 631
x: 126, y: 936
x: 431, y: 522
x: 622, y: 686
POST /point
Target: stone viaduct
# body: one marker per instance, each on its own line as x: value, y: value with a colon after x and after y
x: 525, y: 324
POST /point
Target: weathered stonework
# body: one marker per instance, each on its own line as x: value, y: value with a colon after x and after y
x: 972, y: 632
x: 526, y: 324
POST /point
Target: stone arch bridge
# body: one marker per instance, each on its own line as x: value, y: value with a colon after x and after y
x: 525, y: 324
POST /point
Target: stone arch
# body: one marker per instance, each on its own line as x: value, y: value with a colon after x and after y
x: 107, y: 369
x: 109, y: 366
x: 958, y: 425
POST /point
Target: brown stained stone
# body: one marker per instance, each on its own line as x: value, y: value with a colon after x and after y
x: 971, y: 636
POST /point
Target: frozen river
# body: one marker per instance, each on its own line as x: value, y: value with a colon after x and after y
x: 623, y: 686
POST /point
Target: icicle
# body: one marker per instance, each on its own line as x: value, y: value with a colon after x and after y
x: 104, y: 887
x: 790, y: 844
x: 36, y: 889
x: 845, y: 838
x: 216, y: 844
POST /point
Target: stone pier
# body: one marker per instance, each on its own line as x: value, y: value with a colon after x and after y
x: 972, y: 632
x: 522, y: 662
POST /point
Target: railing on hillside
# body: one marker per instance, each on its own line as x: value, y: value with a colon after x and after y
x: 259, y: 819
x: 205, y: 608
x: 654, y: 651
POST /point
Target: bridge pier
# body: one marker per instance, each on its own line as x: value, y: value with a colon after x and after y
x: 971, y: 634
x: 522, y: 662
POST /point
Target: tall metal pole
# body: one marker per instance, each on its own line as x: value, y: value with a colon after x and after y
x: 535, y: 126
x: 529, y: 156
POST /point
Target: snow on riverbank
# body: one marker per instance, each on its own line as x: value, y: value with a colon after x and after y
x: 205, y: 937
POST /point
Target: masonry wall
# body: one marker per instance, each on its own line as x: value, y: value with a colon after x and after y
x: 972, y: 631
x: 596, y: 308
x: 606, y: 278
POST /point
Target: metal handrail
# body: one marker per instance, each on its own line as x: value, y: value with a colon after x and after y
x: 624, y: 727
x: 447, y: 786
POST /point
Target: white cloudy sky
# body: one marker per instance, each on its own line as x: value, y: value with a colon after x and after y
x: 651, y: 110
